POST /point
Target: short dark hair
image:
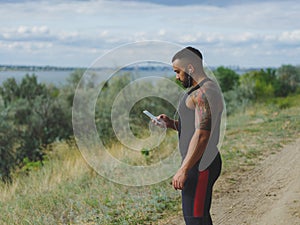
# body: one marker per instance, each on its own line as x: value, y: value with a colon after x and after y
x: 188, y: 53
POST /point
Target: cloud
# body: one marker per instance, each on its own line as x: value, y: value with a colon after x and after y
x: 33, y: 30
x: 24, y: 47
x: 290, y: 37
x: 219, y: 3
x: 25, y: 33
x: 242, y: 31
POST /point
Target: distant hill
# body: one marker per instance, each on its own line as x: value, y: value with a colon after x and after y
x: 142, y: 67
x: 36, y: 68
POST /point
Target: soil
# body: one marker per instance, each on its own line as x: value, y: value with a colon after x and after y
x: 268, y: 194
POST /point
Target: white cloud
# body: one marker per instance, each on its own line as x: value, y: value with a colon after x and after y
x: 246, y: 30
x: 25, y: 33
x: 25, y: 47
x: 292, y: 37
x: 32, y: 30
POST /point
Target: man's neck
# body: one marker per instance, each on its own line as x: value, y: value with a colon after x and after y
x: 198, y: 79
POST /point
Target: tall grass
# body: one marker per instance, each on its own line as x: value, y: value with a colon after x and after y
x: 65, y: 163
x: 67, y: 191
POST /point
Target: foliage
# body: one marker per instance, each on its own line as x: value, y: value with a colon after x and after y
x: 70, y: 87
x: 37, y: 116
x: 137, y: 120
x: 260, y: 85
x: 7, y: 154
x: 34, y: 115
x: 227, y: 78
x: 289, y: 77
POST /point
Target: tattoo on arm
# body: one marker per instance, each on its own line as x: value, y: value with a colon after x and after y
x: 202, y: 111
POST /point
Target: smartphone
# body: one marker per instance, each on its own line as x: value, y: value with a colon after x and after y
x: 151, y: 116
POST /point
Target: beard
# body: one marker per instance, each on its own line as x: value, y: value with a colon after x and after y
x: 188, y: 81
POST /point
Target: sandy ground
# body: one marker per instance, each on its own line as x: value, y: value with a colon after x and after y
x: 269, y: 194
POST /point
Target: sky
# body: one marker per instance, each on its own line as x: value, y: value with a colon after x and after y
x: 255, y: 33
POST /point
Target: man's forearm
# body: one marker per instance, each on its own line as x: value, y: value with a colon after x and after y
x: 174, y: 125
x: 196, y: 149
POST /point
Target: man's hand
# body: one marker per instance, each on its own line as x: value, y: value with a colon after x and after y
x: 179, y: 179
x: 166, y: 122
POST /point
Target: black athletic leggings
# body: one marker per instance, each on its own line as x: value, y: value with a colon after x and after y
x: 197, y: 193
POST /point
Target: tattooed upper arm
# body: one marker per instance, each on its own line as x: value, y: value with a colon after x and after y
x: 202, y: 111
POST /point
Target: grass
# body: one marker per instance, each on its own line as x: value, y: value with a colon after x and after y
x: 67, y: 191
x: 261, y: 130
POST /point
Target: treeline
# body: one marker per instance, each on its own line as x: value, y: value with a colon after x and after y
x: 35, y: 115
x: 261, y: 85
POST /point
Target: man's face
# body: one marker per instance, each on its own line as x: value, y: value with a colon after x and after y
x: 181, y: 75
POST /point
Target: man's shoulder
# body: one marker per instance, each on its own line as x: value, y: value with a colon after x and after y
x: 209, y: 92
x: 211, y: 88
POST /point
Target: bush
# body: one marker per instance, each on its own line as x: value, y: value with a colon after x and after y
x: 36, y: 117
x: 227, y: 78
x: 137, y: 120
x: 7, y: 154
x: 289, y: 77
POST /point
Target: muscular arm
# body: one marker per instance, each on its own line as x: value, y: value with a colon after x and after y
x: 196, y: 149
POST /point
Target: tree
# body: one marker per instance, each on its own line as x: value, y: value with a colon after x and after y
x: 10, y: 91
x: 40, y: 122
x: 259, y: 84
x: 227, y: 78
x: 74, y: 78
x: 38, y: 115
x: 289, y: 77
x: 7, y: 154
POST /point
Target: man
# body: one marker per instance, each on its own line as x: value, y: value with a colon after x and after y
x: 198, y: 126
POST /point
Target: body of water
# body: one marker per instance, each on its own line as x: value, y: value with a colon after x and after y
x: 60, y: 77
x: 54, y: 77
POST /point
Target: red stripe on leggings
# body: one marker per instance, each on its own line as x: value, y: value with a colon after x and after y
x: 200, y: 194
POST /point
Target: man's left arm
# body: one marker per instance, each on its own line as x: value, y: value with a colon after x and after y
x: 198, y: 141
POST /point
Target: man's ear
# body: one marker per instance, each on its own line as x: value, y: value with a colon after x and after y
x: 190, y: 69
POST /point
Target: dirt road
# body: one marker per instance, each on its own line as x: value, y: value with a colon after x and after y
x: 266, y: 195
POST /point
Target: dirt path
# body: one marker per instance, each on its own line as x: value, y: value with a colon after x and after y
x: 266, y: 195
